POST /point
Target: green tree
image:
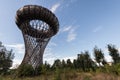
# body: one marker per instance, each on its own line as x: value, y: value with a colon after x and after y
x: 56, y: 64
x: 84, y: 61
x: 6, y: 58
x: 42, y: 69
x: 88, y: 61
x: 75, y: 64
x: 99, y: 55
x: 80, y: 61
x: 69, y: 63
x: 47, y: 65
x: 63, y: 63
x: 114, y: 53
x: 104, y: 62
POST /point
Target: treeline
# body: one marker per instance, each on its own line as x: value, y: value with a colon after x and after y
x: 83, y: 63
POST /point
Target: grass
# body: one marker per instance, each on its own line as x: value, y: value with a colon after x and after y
x: 68, y: 75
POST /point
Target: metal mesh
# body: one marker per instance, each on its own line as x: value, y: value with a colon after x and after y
x: 35, y: 46
x: 38, y: 25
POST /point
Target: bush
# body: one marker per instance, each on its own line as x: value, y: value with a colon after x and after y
x: 114, y: 69
x: 25, y: 70
x: 42, y: 69
x: 117, y: 68
x: 57, y: 74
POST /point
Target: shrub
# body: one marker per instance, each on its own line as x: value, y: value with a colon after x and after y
x: 117, y: 68
x: 42, y: 69
x: 25, y: 70
x: 57, y: 74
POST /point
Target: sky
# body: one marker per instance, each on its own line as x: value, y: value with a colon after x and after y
x: 83, y: 24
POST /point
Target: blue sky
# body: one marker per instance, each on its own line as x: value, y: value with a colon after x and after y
x: 83, y: 24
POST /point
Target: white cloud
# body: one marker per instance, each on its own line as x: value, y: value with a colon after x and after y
x: 49, y: 55
x: 71, y: 35
x: 52, y: 44
x: 50, y: 60
x: 67, y: 28
x: 55, y: 7
x: 69, y: 57
x: 69, y: 2
x: 108, y: 58
x: 18, y: 48
x: 97, y: 29
x: 16, y: 63
x: 119, y: 49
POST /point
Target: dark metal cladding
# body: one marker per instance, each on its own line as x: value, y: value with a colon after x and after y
x: 35, y: 12
x: 38, y: 25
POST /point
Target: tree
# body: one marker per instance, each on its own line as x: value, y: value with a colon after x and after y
x: 47, y: 65
x: 69, y: 63
x: 104, y: 62
x: 6, y: 58
x: 84, y: 61
x: 63, y: 63
x: 99, y: 55
x: 75, y: 64
x: 80, y: 61
x: 114, y: 53
x: 56, y: 64
x: 88, y: 61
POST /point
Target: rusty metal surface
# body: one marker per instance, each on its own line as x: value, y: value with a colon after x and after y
x: 38, y: 25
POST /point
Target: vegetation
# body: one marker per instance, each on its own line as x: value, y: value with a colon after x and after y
x: 113, y: 51
x: 81, y: 68
x: 6, y: 58
x: 25, y: 70
x: 99, y: 56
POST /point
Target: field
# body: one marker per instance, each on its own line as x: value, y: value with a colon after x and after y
x: 72, y: 75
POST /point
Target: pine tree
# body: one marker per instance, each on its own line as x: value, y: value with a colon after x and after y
x: 99, y: 55
x: 69, y: 63
x: 56, y: 64
x: 63, y: 64
x: 114, y: 53
x: 84, y: 61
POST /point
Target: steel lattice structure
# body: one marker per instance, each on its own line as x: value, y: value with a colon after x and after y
x: 38, y: 25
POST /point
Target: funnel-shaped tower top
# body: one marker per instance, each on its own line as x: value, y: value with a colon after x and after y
x: 35, y: 12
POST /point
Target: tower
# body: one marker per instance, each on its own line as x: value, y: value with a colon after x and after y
x: 37, y: 25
